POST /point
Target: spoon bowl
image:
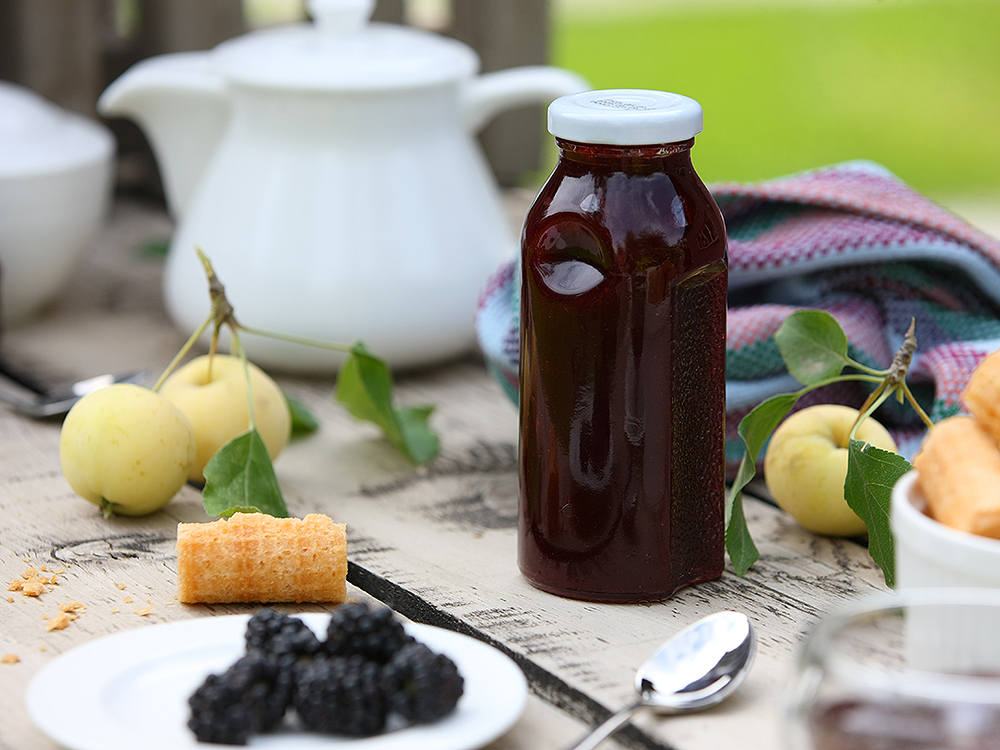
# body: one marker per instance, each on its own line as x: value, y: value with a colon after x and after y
x: 698, y: 667
x: 43, y: 405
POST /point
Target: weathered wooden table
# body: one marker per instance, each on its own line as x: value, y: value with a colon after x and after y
x: 437, y: 544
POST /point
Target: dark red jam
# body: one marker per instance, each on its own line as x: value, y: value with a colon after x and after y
x: 885, y: 725
x: 623, y: 330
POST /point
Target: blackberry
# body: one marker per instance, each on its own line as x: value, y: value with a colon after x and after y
x: 284, y: 638
x: 246, y: 699
x: 422, y: 686
x: 340, y: 695
x: 374, y: 634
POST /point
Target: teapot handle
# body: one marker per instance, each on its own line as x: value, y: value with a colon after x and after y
x: 489, y: 94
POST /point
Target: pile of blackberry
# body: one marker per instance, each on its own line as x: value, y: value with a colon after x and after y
x: 366, y: 671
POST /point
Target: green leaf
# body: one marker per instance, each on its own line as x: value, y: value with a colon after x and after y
x: 156, y: 247
x: 813, y: 345
x: 739, y: 544
x: 871, y: 474
x: 422, y: 441
x: 240, y: 478
x: 755, y: 428
x: 364, y: 386
x: 303, y: 421
x: 239, y: 509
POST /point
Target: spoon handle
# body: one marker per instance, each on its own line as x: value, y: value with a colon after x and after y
x: 610, y: 725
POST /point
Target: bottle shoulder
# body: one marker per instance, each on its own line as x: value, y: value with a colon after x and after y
x: 635, y: 217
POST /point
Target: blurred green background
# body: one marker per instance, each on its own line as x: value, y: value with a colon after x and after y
x: 786, y: 86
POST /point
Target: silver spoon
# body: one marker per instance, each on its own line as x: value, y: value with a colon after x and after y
x: 57, y: 403
x: 700, y: 666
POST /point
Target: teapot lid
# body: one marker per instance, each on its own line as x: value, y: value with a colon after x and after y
x: 37, y: 137
x: 342, y: 50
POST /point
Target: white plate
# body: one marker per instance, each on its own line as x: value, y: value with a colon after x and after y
x: 130, y: 690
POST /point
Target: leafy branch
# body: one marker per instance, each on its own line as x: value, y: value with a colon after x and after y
x: 240, y: 477
x: 814, y: 348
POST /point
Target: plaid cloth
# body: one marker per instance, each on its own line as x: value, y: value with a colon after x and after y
x: 851, y: 239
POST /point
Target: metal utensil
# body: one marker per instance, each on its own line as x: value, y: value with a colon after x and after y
x: 57, y: 403
x: 698, y: 667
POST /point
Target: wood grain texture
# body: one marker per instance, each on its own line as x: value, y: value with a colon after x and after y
x: 437, y: 543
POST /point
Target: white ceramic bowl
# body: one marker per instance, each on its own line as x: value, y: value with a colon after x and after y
x: 928, y: 553
x: 55, y: 187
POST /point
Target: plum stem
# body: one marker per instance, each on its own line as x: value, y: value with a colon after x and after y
x: 291, y: 338
x: 182, y: 353
x: 894, y: 382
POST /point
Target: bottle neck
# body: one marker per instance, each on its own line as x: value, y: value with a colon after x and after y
x: 606, y: 154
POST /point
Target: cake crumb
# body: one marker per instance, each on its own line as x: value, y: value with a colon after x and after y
x: 115, y: 610
x: 144, y: 611
x: 128, y: 600
x: 32, y: 582
x: 121, y: 586
x: 10, y: 599
x: 71, y: 607
x: 59, y: 622
x: 10, y: 659
x: 33, y: 588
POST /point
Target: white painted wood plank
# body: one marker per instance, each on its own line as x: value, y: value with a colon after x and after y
x: 446, y: 535
x: 437, y: 543
x: 106, y: 563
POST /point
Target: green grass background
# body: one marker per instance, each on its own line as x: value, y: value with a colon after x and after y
x: 912, y: 84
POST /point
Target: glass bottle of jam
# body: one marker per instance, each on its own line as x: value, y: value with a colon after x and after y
x: 624, y: 275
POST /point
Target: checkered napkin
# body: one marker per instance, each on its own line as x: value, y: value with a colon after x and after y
x: 851, y: 239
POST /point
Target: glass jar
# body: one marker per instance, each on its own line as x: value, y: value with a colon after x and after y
x: 624, y: 277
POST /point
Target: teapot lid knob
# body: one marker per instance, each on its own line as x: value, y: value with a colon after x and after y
x: 341, y: 16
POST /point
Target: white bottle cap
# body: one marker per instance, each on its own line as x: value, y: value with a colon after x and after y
x: 625, y: 117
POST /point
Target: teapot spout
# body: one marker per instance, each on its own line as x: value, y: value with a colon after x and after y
x: 183, y: 107
x: 491, y: 93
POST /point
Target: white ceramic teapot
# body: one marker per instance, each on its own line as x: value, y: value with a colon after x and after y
x: 330, y: 172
